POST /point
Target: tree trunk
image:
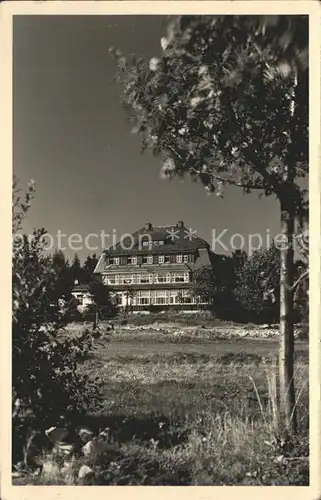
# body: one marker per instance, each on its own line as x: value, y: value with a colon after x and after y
x: 286, y: 352
x: 95, y: 322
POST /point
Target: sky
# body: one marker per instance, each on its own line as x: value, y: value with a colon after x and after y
x: 72, y: 138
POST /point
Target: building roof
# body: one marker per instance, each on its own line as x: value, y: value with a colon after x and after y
x: 175, y: 238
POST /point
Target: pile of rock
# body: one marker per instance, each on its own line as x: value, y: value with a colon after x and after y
x: 69, y: 450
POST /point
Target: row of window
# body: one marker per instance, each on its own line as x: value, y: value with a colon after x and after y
x: 159, y: 298
x: 149, y: 259
x: 119, y: 279
x: 148, y: 243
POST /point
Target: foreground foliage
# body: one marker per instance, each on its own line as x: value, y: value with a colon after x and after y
x: 46, y: 383
x: 212, y: 422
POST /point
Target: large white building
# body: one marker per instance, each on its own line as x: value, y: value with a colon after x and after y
x: 154, y: 266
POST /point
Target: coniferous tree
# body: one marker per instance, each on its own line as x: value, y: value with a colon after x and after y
x: 88, y: 268
x: 76, y: 270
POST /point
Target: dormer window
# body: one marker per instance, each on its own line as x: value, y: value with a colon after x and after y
x: 132, y: 260
x: 185, y: 259
x: 114, y: 261
x: 179, y: 259
x: 161, y: 259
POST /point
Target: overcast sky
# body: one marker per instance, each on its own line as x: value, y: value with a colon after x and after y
x: 72, y: 138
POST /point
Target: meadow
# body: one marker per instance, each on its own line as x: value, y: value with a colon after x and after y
x: 190, y: 409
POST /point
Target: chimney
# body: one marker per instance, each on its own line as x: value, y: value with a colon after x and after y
x: 148, y: 226
x: 180, y: 223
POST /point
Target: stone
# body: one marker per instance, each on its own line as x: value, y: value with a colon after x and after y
x: 85, y: 434
x: 84, y: 472
x: 92, y: 448
x: 105, y: 433
x: 16, y: 475
x: 50, y: 468
x: 64, y: 449
x: 67, y: 470
x: 56, y: 434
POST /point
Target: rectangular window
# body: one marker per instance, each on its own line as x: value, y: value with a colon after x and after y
x: 143, y: 298
x: 150, y: 259
x: 167, y: 259
x: 173, y: 298
x: 110, y: 280
x: 160, y: 297
x: 127, y: 280
x: 161, y: 278
x: 161, y: 259
x: 132, y: 260
x: 144, y: 259
x: 179, y: 259
x: 181, y: 277
x: 114, y: 261
x: 146, y: 278
x: 185, y: 259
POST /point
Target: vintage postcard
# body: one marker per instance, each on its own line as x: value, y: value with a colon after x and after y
x: 160, y: 208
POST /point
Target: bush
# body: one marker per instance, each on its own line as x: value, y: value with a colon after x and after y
x: 256, y: 279
x: 46, y: 383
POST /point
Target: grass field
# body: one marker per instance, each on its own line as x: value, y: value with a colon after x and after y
x: 193, y: 413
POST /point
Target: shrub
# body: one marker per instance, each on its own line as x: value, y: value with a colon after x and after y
x: 46, y: 383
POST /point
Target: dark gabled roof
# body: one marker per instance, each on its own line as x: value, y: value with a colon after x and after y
x: 176, y: 239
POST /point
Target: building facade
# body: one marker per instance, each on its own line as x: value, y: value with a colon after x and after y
x: 81, y: 293
x: 154, y: 266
